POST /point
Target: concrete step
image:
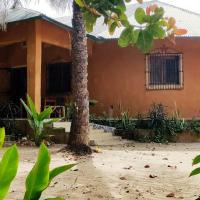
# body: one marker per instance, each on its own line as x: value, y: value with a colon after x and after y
x: 97, y: 136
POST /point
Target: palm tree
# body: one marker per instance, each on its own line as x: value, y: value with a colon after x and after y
x: 79, y: 134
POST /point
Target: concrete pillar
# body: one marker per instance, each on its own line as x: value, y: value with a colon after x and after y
x: 34, y: 57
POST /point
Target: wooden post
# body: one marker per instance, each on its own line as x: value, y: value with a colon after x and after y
x: 34, y: 57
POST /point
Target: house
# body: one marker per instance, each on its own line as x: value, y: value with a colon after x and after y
x: 35, y: 58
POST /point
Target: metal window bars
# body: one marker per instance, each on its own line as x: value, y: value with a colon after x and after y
x: 164, y: 69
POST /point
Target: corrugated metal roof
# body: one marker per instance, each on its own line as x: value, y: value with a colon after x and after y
x: 20, y: 14
x: 185, y: 19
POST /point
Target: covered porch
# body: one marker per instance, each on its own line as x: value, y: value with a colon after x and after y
x: 35, y: 59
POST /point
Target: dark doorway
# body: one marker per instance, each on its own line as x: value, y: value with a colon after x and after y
x: 58, y: 79
x: 18, y: 84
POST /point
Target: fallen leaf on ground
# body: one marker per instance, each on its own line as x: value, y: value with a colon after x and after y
x: 97, y: 150
x: 171, y: 195
x: 122, y: 178
x: 152, y: 176
x: 128, y: 167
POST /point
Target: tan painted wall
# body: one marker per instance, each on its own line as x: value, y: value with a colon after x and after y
x: 117, y: 76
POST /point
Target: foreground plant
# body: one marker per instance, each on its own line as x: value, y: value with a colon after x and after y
x: 8, y: 166
x: 39, y: 177
x: 37, y: 120
x: 195, y: 161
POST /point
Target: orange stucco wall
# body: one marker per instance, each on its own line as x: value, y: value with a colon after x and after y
x: 116, y: 75
x: 15, y: 56
x: 117, y: 78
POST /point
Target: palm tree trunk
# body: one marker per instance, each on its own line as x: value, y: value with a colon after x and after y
x: 79, y: 134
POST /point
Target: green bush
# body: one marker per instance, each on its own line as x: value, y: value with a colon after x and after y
x: 158, y: 118
x: 39, y: 177
x: 194, y: 126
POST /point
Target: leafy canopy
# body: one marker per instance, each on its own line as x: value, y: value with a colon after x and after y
x: 151, y: 22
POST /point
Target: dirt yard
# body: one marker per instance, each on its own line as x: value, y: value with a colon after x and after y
x: 131, y: 171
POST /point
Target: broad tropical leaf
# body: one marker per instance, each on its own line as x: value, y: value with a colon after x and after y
x: 195, y: 172
x: 145, y: 41
x: 126, y: 37
x: 140, y: 15
x: 28, y: 110
x: 38, y: 178
x: 8, y: 170
x: 45, y: 114
x: 57, y: 198
x: 2, y: 137
x: 55, y: 172
x: 196, y: 160
x: 31, y: 105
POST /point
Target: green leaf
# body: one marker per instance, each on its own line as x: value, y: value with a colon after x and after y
x: 90, y: 20
x: 55, y: 172
x: 196, y: 160
x: 158, y: 15
x: 26, y: 108
x: 31, y: 105
x: 8, y: 170
x: 80, y: 3
x: 45, y: 114
x: 124, y: 20
x: 57, y: 198
x: 135, y: 36
x: 157, y: 31
x: 159, y: 12
x: 126, y: 37
x: 2, y: 137
x: 195, y: 172
x: 145, y: 41
x: 140, y: 15
x: 38, y: 179
x: 112, y: 27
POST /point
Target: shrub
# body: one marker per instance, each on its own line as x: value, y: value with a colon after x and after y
x: 194, y: 126
x: 39, y: 177
x: 158, y: 118
x: 126, y: 122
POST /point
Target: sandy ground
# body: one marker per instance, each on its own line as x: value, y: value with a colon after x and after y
x: 119, y: 172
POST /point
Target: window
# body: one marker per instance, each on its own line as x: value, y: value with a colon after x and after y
x: 59, y: 78
x: 164, y: 71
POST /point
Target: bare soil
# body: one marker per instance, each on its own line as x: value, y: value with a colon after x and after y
x: 128, y: 171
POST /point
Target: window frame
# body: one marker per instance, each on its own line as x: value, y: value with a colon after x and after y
x: 169, y: 86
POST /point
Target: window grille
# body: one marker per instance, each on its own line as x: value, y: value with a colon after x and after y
x: 164, y: 71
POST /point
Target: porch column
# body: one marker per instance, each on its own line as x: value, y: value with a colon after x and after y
x: 34, y: 57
